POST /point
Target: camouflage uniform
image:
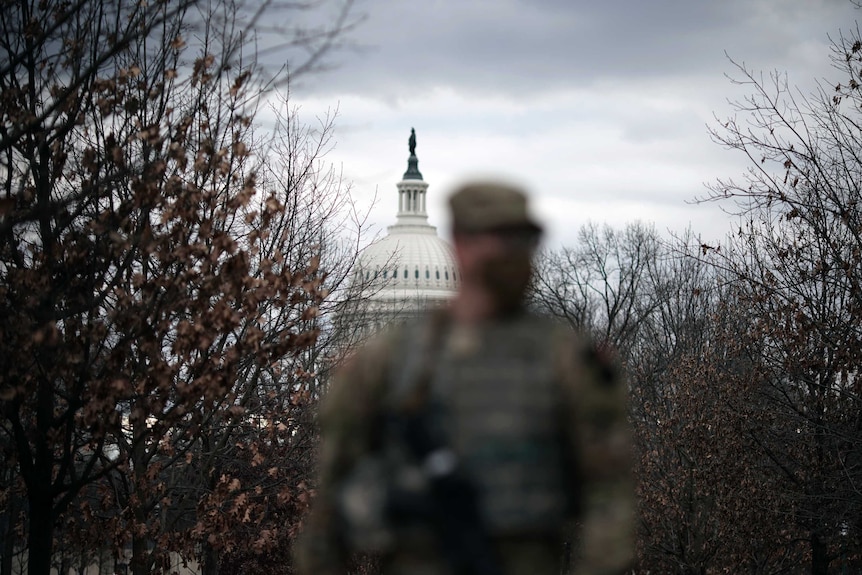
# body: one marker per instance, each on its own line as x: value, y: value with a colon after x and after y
x: 538, y: 421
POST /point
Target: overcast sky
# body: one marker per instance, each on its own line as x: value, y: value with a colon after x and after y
x: 599, y: 107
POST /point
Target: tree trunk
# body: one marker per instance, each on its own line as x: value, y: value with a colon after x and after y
x: 819, y: 556
x: 210, y: 564
x: 40, y: 537
x: 9, y: 536
x: 140, y: 556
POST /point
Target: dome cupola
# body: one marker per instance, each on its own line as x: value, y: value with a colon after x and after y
x: 411, y: 267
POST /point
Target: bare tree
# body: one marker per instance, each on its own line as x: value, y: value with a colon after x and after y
x: 144, y: 270
x: 796, y: 263
x: 601, y: 285
x: 675, y: 320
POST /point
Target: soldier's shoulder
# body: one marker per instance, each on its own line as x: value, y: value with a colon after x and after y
x: 360, y: 379
x: 575, y: 351
x: 561, y: 333
x: 387, y: 338
x: 387, y: 344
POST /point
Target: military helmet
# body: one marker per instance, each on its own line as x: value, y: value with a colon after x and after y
x: 489, y: 206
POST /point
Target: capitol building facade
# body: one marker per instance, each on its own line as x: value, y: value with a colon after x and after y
x: 411, y: 268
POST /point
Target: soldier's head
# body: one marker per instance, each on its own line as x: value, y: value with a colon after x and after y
x: 495, y: 237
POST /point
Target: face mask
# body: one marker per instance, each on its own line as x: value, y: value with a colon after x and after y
x: 507, y: 278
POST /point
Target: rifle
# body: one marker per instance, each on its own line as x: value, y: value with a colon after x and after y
x: 451, y: 502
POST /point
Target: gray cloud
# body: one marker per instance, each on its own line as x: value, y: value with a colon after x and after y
x: 521, y: 47
x: 599, y: 107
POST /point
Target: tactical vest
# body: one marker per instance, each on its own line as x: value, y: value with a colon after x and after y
x: 503, y: 412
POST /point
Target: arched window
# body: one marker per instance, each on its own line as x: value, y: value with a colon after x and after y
x: 405, y: 273
x: 427, y: 274
x: 384, y: 274
x: 446, y: 273
x: 417, y: 273
x: 438, y: 274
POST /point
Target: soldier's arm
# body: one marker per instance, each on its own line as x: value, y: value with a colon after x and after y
x: 600, y: 435
x: 347, y: 416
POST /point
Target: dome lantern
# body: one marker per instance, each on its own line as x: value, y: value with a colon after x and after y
x: 411, y: 191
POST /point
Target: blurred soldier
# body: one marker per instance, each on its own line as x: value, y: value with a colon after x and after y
x: 474, y: 439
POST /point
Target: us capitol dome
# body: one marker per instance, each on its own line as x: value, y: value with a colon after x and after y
x: 411, y: 268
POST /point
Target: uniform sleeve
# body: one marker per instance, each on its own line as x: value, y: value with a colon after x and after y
x: 599, y: 435
x: 347, y: 417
